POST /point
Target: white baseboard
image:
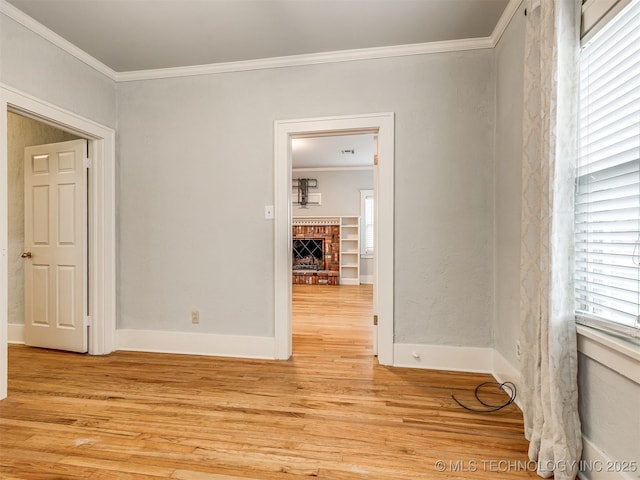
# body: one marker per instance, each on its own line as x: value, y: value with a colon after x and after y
x: 196, y: 343
x: 504, y: 371
x: 596, y: 465
x: 366, y: 279
x: 440, y: 357
x: 15, y: 333
x: 461, y: 359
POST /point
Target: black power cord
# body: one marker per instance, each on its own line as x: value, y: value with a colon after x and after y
x: 490, y: 408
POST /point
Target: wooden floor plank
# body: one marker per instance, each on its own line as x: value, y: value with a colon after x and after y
x: 330, y: 412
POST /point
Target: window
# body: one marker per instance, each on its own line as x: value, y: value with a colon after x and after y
x: 607, y: 211
x: 366, y: 219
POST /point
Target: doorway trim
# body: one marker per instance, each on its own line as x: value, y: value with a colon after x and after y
x: 101, y: 225
x: 284, y: 131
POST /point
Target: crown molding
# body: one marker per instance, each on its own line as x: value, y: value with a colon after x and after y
x: 309, y: 59
x: 266, y: 63
x: 36, y: 27
x: 509, y: 11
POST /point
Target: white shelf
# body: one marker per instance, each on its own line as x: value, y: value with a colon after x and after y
x: 350, y: 250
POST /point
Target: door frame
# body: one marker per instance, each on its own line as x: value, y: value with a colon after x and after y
x: 284, y: 131
x: 101, y: 218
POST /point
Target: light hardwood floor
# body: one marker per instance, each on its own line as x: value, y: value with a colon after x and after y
x: 330, y: 412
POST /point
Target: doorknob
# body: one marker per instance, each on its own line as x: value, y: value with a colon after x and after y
x: 26, y: 255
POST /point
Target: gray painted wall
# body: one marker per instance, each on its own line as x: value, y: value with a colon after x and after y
x: 509, y: 66
x: 444, y: 214
x: 22, y: 132
x: 340, y: 192
x: 37, y: 67
x: 196, y: 163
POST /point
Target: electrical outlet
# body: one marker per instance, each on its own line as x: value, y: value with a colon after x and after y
x: 195, y: 316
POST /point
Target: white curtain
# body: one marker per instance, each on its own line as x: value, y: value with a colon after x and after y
x: 548, y: 336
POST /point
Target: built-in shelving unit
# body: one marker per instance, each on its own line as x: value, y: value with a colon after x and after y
x: 350, y: 250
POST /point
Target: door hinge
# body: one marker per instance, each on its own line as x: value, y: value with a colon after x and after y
x: 375, y: 159
x: 375, y: 320
x: 87, y: 163
x: 87, y: 321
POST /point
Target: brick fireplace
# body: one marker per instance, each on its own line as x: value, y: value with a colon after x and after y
x: 316, y: 254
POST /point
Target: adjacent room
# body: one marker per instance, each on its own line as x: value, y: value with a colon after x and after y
x: 333, y: 238
x: 357, y: 239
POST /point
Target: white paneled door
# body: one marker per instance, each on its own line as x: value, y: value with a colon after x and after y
x: 55, y: 246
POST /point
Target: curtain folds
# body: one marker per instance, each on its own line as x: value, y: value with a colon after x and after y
x: 548, y: 336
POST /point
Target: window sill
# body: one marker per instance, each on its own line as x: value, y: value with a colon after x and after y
x: 616, y: 353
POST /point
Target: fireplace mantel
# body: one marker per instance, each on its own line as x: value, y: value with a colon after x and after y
x: 301, y: 221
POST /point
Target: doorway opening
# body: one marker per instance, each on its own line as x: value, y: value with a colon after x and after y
x: 333, y: 262
x: 382, y: 126
x: 47, y: 229
x: 101, y: 218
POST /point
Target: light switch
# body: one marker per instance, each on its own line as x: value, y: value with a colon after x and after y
x: 268, y: 212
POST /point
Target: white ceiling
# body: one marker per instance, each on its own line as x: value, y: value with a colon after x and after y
x: 332, y: 152
x: 132, y: 35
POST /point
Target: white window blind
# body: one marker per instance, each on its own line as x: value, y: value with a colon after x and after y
x: 608, y: 177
